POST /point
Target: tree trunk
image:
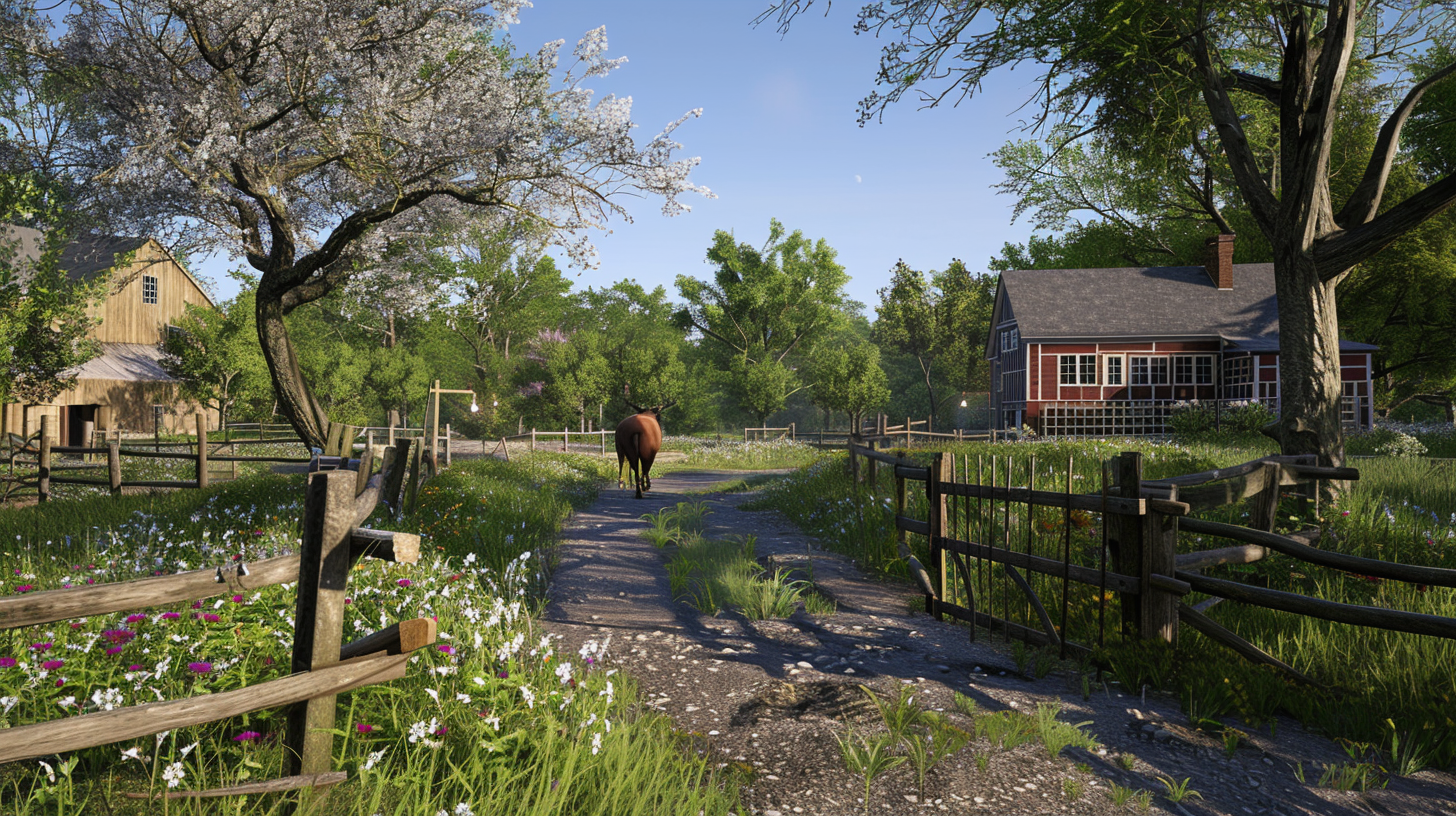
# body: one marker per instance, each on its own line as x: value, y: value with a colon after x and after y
x: 295, y: 400
x: 929, y: 389
x: 1309, y: 359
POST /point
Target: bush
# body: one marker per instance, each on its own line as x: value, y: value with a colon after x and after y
x: 1194, y: 418
x: 1191, y: 418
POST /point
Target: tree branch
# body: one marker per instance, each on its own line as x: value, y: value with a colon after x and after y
x: 1267, y: 89
x: 1339, y: 251
x: 1364, y: 202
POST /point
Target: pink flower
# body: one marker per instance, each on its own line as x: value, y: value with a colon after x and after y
x: 200, y: 667
x: 116, y: 650
x: 171, y: 615
x: 134, y: 667
x: 446, y: 648
x: 137, y: 618
x: 52, y: 665
x: 24, y: 588
x: 8, y: 662
x: 363, y: 728
x: 197, y: 604
x: 41, y: 647
x: 248, y: 736
x: 118, y: 636
x: 442, y: 731
x: 404, y: 582
x: 348, y: 600
x: 237, y: 599
x: 75, y: 626
x: 207, y: 616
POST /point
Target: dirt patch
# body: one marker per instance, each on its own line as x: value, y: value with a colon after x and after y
x: 770, y: 697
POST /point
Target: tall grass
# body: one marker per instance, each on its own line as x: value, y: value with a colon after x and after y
x: 494, y: 719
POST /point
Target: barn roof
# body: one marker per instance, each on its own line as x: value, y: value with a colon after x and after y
x: 133, y: 362
x: 1156, y: 301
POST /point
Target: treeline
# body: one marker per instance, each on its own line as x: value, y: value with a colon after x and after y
x: 771, y: 337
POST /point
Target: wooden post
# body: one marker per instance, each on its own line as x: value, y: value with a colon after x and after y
x: 88, y: 437
x: 1265, y: 506
x: 603, y: 432
x: 43, y: 480
x: 565, y: 438
x: 899, y: 499
x: 853, y: 460
x: 412, y: 491
x: 201, y: 450
x: 391, y: 429
x: 505, y: 449
x: 447, y: 444
x: 533, y: 440
x: 1125, y: 536
x: 318, y: 623
x: 792, y: 428
x: 113, y: 465
x: 396, y: 458
x: 1160, y: 546
x: 870, y: 465
x: 433, y: 428
x: 935, y: 501
x: 745, y: 433
x: 366, y: 465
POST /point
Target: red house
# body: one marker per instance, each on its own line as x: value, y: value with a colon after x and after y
x: 1089, y: 352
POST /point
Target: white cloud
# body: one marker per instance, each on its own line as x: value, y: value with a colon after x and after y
x: 857, y: 179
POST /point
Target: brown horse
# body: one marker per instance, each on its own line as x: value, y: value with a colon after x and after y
x: 638, y: 438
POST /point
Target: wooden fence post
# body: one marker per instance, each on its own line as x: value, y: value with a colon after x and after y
x: 88, y: 438
x: 533, y: 440
x: 1125, y: 536
x: 899, y: 499
x: 396, y: 458
x: 565, y: 438
x: 793, y: 427
x: 366, y: 466
x: 853, y: 460
x: 43, y: 476
x: 1159, y: 619
x: 447, y: 444
x: 935, y: 500
x: 113, y: 465
x: 1265, y: 506
x: 318, y: 627
x: 201, y: 450
x: 871, y: 466
x: 604, y: 441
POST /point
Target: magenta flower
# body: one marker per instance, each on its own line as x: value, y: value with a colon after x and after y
x: 207, y: 616
x: 446, y: 648
x: 171, y: 615
x: 348, y: 600
x: 248, y: 736
x: 363, y: 728
x: 116, y: 650
x: 197, y: 604
x: 237, y: 599
x: 134, y: 667
x: 24, y: 588
x: 41, y: 647
x: 200, y: 667
x: 442, y: 731
x: 75, y: 626
x: 503, y: 674
x: 52, y: 665
x: 137, y: 618
x: 118, y: 637
x: 404, y: 582
x: 8, y: 662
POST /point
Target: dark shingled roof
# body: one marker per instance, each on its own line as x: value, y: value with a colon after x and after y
x: 1157, y: 301
x: 83, y: 258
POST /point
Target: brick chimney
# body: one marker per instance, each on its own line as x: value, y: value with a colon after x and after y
x: 1218, y: 259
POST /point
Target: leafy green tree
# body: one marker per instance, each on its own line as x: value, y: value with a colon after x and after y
x: 48, y: 320
x: 1147, y: 74
x: 847, y: 377
x: 762, y: 306
x: 215, y: 357
x: 638, y: 341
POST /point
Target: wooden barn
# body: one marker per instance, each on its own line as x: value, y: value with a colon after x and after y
x: 125, y: 385
x: 1094, y: 352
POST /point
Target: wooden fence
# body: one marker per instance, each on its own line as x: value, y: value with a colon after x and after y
x: 972, y: 525
x: 335, y: 504
x: 559, y: 440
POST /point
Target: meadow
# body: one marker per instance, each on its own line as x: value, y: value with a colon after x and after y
x: 1389, y: 691
x: 492, y: 719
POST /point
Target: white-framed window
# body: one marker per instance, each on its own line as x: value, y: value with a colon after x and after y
x: 1112, y: 369
x: 1010, y: 339
x: 1149, y: 370
x: 1238, y: 378
x: 1077, y: 369
x: 149, y: 288
x: 1193, y: 370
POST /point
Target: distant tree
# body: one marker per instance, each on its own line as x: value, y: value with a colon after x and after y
x: 762, y: 306
x: 637, y: 340
x: 311, y: 139
x: 48, y: 318
x: 847, y: 377
x: 214, y: 355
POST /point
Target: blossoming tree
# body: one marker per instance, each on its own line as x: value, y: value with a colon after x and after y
x: 309, y: 137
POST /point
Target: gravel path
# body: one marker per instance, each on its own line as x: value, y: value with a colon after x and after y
x: 769, y: 696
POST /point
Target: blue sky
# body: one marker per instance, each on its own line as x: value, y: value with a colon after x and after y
x: 778, y: 138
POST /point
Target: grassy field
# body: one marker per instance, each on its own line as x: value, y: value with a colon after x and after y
x: 1385, y: 689
x: 491, y: 720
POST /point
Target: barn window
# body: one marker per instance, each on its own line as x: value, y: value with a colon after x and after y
x: 1010, y: 339
x: 1149, y: 370
x: 1203, y: 370
x: 149, y: 288
x: 1113, y: 373
x: 1077, y: 369
x: 1193, y: 370
x: 1238, y: 378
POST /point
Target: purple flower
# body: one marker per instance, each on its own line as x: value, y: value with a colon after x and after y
x: 116, y: 650
x: 503, y: 674
x: 248, y: 736
x: 134, y: 667
x: 363, y: 728
x: 237, y: 599
x: 446, y: 648
x: 200, y: 667
x: 404, y: 582
x: 24, y: 588
x: 118, y: 637
x: 41, y: 647
x: 442, y: 731
x: 137, y: 618
x: 171, y: 615
x: 207, y: 616
x: 7, y: 662
x: 52, y: 665
x: 197, y: 604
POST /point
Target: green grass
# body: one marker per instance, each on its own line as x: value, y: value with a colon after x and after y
x: 737, y: 454
x: 494, y: 718
x: 718, y: 574
x: 1401, y: 509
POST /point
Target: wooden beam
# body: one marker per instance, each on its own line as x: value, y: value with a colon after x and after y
x: 1219, y: 634
x: 286, y: 783
x: 1375, y: 617
x: 1049, y: 498
x: 1046, y: 566
x: 400, y: 548
x: 1242, y: 554
x: 400, y: 638
x: 1046, y: 620
x: 103, y: 727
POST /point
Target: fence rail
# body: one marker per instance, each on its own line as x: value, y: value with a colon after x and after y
x: 335, y: 504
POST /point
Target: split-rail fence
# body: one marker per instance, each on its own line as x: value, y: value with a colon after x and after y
x: 336, y: 503
x: 972, y: 526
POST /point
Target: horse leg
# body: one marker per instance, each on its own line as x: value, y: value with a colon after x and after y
x: 621, y: 467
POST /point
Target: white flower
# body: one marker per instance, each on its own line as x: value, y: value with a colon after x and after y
x: 174, y: 774
x: 187, y: 750
x: 462, y: 698
x: 529, y: 696
x: 134, y: 753
x: 108, y: 699
x: 50, y: 772
x: 373, y: 760
x: 596, y: 743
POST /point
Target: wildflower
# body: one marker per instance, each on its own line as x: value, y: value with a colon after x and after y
x: 170, y: 615
x: 136, y: 618
x: 42, y: 647
x: 134, y: 667
x: 363, y: 728
x: 237, y: 599
x: 107, y: 700
x: 503, y: 674
x: 446, y: 648
x: 134, y: 753
x: 404, y: 582
x: 200, y: 667
x: 24, y: 588
x: 118, y: 637
x: 8, y: 662
x: 52, y: 665
x: 248, y: 736
x: 373, y: 760
x: 174, y: 774
x: 596, y: 743
x: 115, y: 650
